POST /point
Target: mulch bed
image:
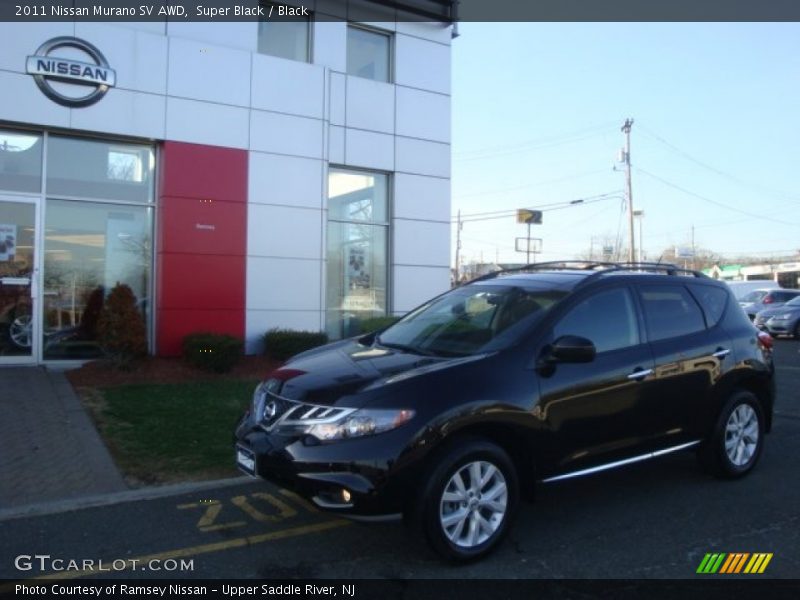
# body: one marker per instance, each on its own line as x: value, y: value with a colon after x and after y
x: 99, y: 374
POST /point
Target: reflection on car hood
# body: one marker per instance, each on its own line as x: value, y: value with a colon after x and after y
x: 335, y: 374
x: 771, y: 312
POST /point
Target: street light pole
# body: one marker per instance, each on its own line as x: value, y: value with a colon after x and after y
x: 639, y: 214
x: 626, y: 129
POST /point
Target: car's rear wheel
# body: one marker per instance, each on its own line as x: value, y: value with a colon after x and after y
x: 738, y: 438
x: 797, y: 331
x: 469, y: 500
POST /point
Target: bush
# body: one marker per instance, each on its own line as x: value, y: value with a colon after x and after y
x: 121, y: 330
x: 212, y: 351
x: 282, y: 344
x: 376, y: 323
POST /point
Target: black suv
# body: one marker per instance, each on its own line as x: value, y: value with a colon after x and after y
x: 551, y: 371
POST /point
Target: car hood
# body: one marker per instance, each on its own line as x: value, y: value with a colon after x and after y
x: 340, y: 372
x: 780, y: 310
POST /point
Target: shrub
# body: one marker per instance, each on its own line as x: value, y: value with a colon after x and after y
x: 212, y: 351
x: 282, y: 344
x: 121, y: 330
x: 376, y: 323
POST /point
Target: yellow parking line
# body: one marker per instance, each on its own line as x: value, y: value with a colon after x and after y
x: 201, y: 549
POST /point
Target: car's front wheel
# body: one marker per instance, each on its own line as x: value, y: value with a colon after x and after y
x: 469, y: 500
x: 738, y: 438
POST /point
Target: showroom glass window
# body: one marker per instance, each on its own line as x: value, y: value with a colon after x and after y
x: 357, y: 241
x: 98, y: 232
x: 284, y: 37
x: 368, y: 53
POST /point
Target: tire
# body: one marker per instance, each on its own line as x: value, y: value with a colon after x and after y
x: 20, y: 332
x: 737, y: 440
x: 797, y: 331
x: 470, y: 524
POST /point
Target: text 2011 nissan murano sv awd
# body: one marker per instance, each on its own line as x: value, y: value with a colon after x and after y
x: 452, y: 414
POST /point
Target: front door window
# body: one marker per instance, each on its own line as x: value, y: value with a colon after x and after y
x: 17, y: 236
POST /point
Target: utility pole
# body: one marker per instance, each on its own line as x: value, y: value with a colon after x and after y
x: 626, y: 129
x: 693, y: 250
x: 458, y: 247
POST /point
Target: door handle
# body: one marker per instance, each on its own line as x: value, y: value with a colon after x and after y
x: 721, y: 353
x: 640, y: 374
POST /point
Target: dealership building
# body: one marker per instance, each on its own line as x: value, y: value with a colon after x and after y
x: 238, y: 176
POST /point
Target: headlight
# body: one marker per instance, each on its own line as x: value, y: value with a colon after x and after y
x: 360, y: 423
x: 780, y: 318
x: 260, y: 396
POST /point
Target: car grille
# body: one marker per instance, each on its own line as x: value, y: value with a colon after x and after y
x: 761, y: 320
x: 277, y: 410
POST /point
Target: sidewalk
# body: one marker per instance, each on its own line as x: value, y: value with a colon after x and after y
x: 49, y: 448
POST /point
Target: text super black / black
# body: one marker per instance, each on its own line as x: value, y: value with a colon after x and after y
x: 551, y: 371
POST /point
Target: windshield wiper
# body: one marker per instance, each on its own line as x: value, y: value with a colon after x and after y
x: 405, y: 348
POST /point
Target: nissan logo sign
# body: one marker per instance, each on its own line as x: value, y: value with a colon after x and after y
x: 47, y: 67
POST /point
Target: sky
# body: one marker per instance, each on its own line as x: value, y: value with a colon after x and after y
x: 715, y: 145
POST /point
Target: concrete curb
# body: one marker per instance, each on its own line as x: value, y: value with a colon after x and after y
x: 71, y: 504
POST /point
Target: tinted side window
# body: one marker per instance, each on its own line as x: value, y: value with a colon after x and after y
x: 712, y: 300
x: 783, y: 296
x: 670, y: 311
x: 607, y: 318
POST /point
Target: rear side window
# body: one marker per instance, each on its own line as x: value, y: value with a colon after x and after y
x: 782, y: 296
x: 670, y: 311
x: 607, y: 318
x: 712, y: 300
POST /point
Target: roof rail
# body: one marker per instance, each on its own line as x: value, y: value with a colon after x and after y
x: 599, y: 267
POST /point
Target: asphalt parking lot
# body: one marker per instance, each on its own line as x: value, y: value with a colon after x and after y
x: 654, y: 520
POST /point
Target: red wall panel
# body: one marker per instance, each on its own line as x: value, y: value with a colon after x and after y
x: 198, y: 171
x: 174, y: 325
x: 202, y: 239
x: 203, y: 226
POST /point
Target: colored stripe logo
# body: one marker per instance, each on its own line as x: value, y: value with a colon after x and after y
x: 734, y: 563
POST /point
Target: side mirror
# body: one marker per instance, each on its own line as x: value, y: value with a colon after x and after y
x: 572, y: 349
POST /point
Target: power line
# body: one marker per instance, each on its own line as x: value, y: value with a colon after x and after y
x: 499, y: 214
x: 650, y: 133
x: 602, y: 127
x: 531, y: 185
x: 714, y: 202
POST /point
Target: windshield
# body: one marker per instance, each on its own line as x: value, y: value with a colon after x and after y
x: 754, y: 296
x: 466, y: 320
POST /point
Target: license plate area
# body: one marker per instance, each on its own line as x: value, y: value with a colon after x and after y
x: 246, y: 460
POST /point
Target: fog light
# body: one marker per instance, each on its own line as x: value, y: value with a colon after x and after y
x: 345, y: 496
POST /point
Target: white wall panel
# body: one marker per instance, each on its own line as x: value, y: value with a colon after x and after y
x: 336, y: 145
x: 221, y: 125
x: 285, y: 134
x: 329, y: 44
x: 125, y: 113
x: 422, y: 64
x: 422, y: 158
x: 369, y: 150
x: 370, y: 105
x: 433, y: 31
x: 283, y: 284
x: 21, y: 100
x: 423, y: 115
x: 280, y: 231
x: 287, y: 180
x: 287, y: 86
x: 203, y: 71
x: 415, y: 285
x: 420, y: 197
x: 421, y: 243
x: 20, y: 40
x: 258, y: 322
x: 337, y: 99
x: 242, y: 35
x: 139, y: 59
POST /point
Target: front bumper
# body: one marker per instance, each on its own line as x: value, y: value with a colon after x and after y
x: 367, y: 477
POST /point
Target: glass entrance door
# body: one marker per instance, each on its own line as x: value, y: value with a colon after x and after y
x: 18, y: 317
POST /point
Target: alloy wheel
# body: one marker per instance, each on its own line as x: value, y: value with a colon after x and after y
x: 21, y: 331
x: 473, y: 504
x: 741, y: 435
